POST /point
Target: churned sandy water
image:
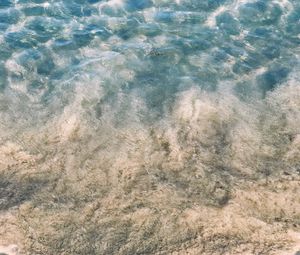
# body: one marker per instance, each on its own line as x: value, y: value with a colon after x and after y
x: 149, y: 127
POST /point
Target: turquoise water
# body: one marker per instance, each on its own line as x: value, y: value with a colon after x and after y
x: 162, y: 47
x: 143, y: 110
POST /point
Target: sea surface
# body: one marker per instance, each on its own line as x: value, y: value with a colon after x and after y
x: 150, y: 126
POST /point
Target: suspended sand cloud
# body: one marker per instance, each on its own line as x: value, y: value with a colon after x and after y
x: 150, y: 127
x: 210, y: 173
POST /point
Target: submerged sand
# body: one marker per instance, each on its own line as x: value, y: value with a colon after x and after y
x: 217, y: 176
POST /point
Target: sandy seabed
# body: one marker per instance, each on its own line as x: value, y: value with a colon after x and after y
x: 214, y: 176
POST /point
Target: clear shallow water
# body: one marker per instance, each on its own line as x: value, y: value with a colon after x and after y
x: 126, y: 100
x: 155, y: 48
